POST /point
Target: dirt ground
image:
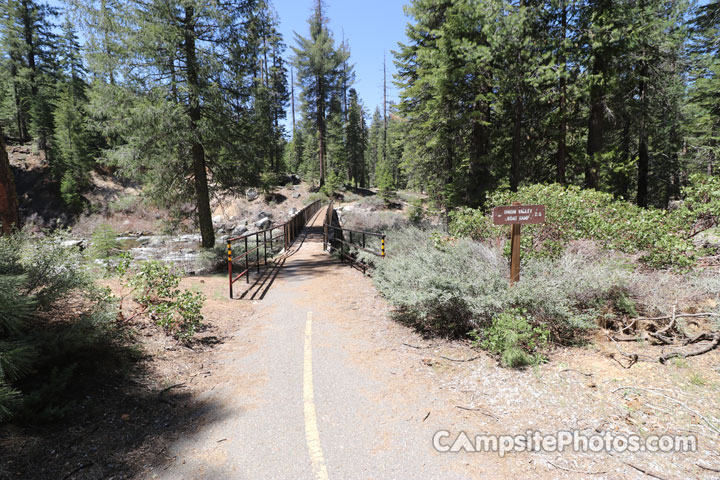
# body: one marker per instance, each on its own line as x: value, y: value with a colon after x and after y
x: 127, y: 426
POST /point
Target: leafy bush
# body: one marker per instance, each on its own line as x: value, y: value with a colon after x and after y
x: 416, y: 212
x: 104, y: 243
x: 515, y: 340
x: 71, y: 191
x: 450, y: 286
x: 333, y: 183
x: 125, y: 204
x: 377, y: 222
x: 700, y: 209
x: 155, y: 288
x: 573, y: 213
x: 44, y: 345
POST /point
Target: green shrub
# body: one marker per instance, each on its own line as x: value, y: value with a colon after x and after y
x: 44, y: 346
x: 314, y: 197
x: 155, y: 288
x: 333, y: 183
x: 104, y: 243
x: 125, y: 204
x: 450, y: 286
x: 573, y: 213
x: 416, y: 212
x: 700, y: 209
x: 71, y: 191
x: 516, y: 341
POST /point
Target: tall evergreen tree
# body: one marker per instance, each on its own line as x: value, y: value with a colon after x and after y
x: 356, y: 141
x: 318, y: 64
x: 182, y: 108
x: 28, y: 41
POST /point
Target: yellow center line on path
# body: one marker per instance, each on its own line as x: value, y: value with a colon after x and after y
x: 312, y: 436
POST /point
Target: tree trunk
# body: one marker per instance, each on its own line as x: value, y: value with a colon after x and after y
x: 21, y: 124
x: 562, y: 135
x: 622, y: 181
x: 197, y: 150
x: 596, y: 124
x: 479, y: 147
x: 321, y: 127
x: 643, y: 154
x: 9, y: 214
x: 516, y: 140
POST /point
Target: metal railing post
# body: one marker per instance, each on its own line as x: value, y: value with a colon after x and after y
x: 257, y: 252
x: 265, y: 245
x: 230, y: 279
x: 247, y: 262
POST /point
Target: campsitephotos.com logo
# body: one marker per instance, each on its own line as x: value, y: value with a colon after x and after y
x: 571, y: 440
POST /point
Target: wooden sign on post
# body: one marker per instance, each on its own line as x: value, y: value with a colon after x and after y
x: 517, y: 215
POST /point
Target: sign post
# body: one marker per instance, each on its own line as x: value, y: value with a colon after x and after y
x: 517, y: 215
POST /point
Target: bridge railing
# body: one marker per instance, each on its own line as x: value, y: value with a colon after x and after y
x: 350, y: 240
x: 254, y: 246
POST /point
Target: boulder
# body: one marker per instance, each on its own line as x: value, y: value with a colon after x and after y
x: 81, y: 244
x: 295, y: 195
x: 239, y: 230
x: 295, y: 179
x: 263, y: 223
x: 292, y: 211
x: 251, y: 194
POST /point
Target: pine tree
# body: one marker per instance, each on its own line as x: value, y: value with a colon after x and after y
x: 28, y: 41
x: 318, y: 64
x: 702, y: 149
x: 356, y: 141
x: 75, y: 145
x: 178, y: 113
x: 373, y: 153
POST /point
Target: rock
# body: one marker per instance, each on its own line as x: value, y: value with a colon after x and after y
x: 292, y: 211
x: 295, y: 179
x: 156, y: 241
x: 261, y: 215
x: 675, y: 205
x: 295, y: 195
x: 74, y: 243
x: 251, y: 194
x: 217, y: 219
x: 263, y: 224
x: 239, y: 230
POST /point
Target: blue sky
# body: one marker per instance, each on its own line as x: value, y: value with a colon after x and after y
x: 371, y: 26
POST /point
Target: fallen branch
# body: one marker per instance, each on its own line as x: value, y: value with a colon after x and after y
x: 165, y: 390
x: 633, y: 358
x: 711, y: 346
x: 458, y: 359
x: 680, y: 315
x: 695, y: 412
x: 647, y: 472
x: 578, y: 371
x: 699, y: 338
x: 81, y: 467
x: 477, y: 410
x: 705, y: 466
x: 669, y: 325
x: 575, y: 471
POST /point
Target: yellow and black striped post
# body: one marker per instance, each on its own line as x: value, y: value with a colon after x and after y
x: 382, y: 243
x: 230, y: 279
